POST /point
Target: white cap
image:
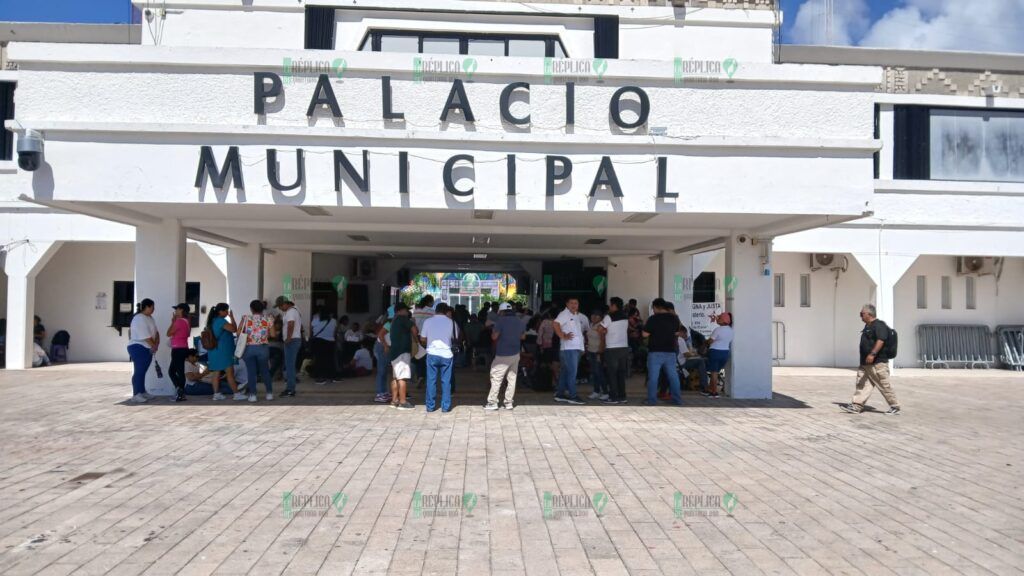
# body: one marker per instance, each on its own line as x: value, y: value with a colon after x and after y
x: 504, y: 306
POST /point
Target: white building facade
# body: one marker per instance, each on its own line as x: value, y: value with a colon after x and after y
x: 245, y: 151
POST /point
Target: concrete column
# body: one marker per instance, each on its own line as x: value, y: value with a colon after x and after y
x: 886, y: 270
x: 748, y: 296
x: 244, y: 277
x: 160, y: 276
x: 22, y: 264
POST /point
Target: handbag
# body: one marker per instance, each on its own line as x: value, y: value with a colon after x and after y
x: 241, y: 339
x: 455, y: 345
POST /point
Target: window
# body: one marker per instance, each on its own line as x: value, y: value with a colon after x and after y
x: 780, y: 290
x: 805, y: 290
x: 922, y: 292
x: 947, y: 296
x: 969, y: 288
x: 704, y: 288
x: 6, y: 113
x: 958, y: 144
x: 523, y: 45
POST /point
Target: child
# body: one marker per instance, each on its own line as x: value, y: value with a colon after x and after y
x: 362, y: 361
x: 595, y: 346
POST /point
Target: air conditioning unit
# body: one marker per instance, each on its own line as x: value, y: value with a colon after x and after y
x: 821, y: 260
x: 364, y: 269
x: 975, y: 265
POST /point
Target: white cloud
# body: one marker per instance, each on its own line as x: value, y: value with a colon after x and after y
x: 980, y: 26
x: 849, y: 21
x: 989, y: 26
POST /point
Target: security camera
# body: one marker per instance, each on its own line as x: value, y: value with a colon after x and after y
x: 742, y: 238
x: 30, y: 150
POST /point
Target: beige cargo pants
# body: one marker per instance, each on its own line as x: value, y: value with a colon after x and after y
x: 878, y: 376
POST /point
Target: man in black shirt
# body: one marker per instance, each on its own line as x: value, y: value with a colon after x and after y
x: 660, y: 331
x: 874, y: 364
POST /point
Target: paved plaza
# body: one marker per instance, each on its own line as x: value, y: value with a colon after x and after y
x: 328, y: 482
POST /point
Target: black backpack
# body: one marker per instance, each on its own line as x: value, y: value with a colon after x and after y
x: 891, y: 344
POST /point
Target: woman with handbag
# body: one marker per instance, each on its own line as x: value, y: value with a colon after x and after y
x: 257, y: 329
x: 221, y: 359
x: 323, y: 328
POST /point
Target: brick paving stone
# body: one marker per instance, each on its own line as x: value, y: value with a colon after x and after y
x: 197, y: 488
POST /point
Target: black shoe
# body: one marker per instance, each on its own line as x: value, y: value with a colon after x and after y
x: 406, y: 406
x: 180, y: 397
x: 446, y: 411
x: 575, y: 400
x: 610, y: 402
x: 288, y: 393
x: 851, y: 408
x: 893, y: 411
x: 431, y: 409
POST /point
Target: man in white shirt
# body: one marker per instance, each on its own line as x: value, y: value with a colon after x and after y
x: 615, y: 327
x: 291, y: 334
x: 439, y: 334
x: 571, y: 327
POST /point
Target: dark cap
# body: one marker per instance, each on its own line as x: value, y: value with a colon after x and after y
x: 183, y: 307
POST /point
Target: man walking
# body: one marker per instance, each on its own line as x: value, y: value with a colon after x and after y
x: 571, y: 328
x: 399, y: 351
x: 291, y: 330
x: 660, y: 331
x: 439, y: 336
x: 874, y: 364
x: 508, y: 333
x: 615, y: 327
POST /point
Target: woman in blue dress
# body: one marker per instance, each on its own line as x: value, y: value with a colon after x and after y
x: 221, y: 323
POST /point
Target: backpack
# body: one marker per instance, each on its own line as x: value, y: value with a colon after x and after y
x: 891, y: 344
x: 207, y: 339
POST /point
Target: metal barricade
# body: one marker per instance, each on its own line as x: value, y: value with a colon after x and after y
x: 948, y: 345
x: 1010, y: 340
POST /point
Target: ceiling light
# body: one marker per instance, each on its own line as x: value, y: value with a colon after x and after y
x: 481, y: 240
x: 639, y: 217
x: 314, y: 210
x: 359, y: 237
x: 596, y: 241
x: 480, y: 256
x: 483, y: 214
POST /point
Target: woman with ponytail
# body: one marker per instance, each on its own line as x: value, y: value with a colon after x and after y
x: 221, y: 323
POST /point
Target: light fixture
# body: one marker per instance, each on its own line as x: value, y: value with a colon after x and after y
x: 479, y: 256
x: 483, y: 214
x: 481, y: 240
x: 639, y: 217
x: 596, y: 241
x: 359, y: 237
x: 314, y: 210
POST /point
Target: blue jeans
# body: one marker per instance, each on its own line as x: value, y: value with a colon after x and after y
x: 141, y: 357
x: 597, y: 381
x: 656, y: 363
x: 443, y: 365
x: 257, y: 362
x: 291, y: 358
x: 570, y: 362
x: 382, y: 368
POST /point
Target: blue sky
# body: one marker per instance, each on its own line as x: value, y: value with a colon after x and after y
x: 981, y: 25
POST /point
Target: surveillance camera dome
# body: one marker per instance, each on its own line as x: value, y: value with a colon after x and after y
x: 30, y: 150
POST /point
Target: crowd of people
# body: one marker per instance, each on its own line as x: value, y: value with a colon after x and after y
x: 420, y: 347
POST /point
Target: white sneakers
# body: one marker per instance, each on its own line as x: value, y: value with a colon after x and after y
x: 240, y: 396
x: 594, y: 396
x: 604, y: 397
x: 139, y: 398
x: 252, y: 397
x: 491, y: 407
x: 218, y: 396
x: 270, y: 396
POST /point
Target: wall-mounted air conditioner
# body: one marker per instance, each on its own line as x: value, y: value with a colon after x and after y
x: 822, y: 260
x: 975, y: 265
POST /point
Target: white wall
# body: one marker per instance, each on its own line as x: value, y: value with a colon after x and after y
x: 66, y: 295
x: 997, y: 303
x: 828, y: 332
x: 198, y: 27
x: 633, y: 277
